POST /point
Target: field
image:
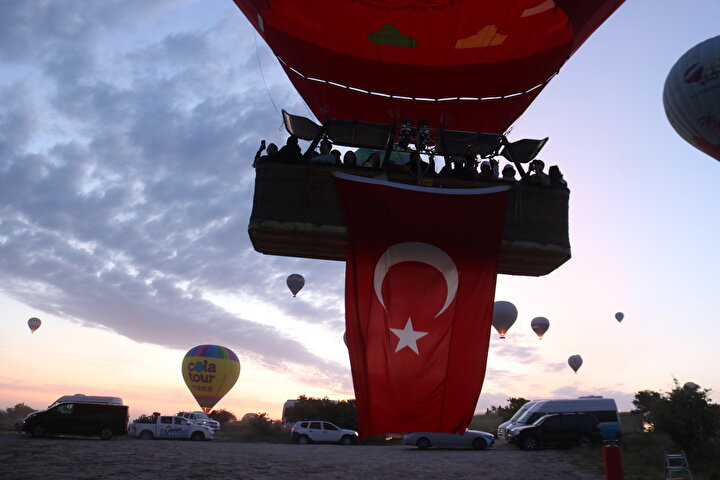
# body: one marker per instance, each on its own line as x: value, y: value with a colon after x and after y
x: 23, y: 457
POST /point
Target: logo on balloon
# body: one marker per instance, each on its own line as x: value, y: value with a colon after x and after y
x: 210, y: 371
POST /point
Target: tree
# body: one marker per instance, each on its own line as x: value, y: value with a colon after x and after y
x: 18, y: 412
x: 343, y: 413
x: 684, y: 414
x: 222, y: 416
x: 646, y: 401
x: 506, y: 413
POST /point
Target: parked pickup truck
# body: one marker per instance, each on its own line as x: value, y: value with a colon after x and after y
x: 200, y: 418
x: 165, y: 426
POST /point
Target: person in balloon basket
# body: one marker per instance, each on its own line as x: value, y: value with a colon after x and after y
x: 349, y: 159
x: 485, y: 171
x: 556, y: 177
x: 272, y: 150
x: 508, y: 173
x: 326, y: 156
x: 290, y: 152
x: 373, y: 161
x: 537, y: 176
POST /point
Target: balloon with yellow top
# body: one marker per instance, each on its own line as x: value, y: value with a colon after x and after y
x: 210, y: 371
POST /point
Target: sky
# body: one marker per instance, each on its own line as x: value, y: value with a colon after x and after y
x: 127, y: 133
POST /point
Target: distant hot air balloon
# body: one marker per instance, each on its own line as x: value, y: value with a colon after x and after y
x: 345, y: 338
x: 619, y: 316
x: 540, y: 325
x: 210, y: 371
x: 575, y: 361
x: 34, y: 324
x: 504, y: 315
x: 295, y: 283
x: 692, y: 97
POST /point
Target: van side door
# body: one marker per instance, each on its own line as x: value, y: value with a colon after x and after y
x: 551, y: 430
x: 315, y: 432
x: 63, y: 420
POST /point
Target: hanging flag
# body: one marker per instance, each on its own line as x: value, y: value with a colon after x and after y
x: 419, y: 287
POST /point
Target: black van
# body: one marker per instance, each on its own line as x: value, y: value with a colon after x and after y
x: 78, y: 419
x: 557, y: 429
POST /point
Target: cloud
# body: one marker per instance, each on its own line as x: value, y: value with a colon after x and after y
x: 126, y: 186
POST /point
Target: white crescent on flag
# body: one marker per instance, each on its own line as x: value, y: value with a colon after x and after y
x: 422, y: 253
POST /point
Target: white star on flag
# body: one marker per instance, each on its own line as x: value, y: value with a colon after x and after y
x: 408, y: 337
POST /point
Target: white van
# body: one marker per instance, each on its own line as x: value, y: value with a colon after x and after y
x: 604, y: 409
x: 80, y: 398
x: 504, y: 427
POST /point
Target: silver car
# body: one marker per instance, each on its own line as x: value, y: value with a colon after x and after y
x: 470, y: 439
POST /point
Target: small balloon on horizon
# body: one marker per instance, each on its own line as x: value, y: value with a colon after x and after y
x: 34, y: 323
x: 295, y: 283
x: 619, y: 316
x: 575, y: 362
x: 540, y: 325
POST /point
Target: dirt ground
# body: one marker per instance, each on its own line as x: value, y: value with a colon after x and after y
x: 24, y: 457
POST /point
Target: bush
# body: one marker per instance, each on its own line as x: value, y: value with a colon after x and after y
x: 506, y: 413
x: 256, y: 428
x: 12, y: 415
x: 684, y: 414
x: 222, y: 416
x: 342, y: 413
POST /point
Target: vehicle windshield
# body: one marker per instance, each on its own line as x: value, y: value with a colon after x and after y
x: 519, y: 413
x: 524, y: 417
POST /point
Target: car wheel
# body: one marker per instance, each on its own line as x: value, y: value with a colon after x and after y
x: 38, y: 431
x: 145, y: 435
x: 303, y: 440
x: 423, y: 443
x: 347, y: 440
x: 106, y: 433
x: 197, y: 437
x: 479, y: 444
x: 584, y: 441
x: 530, y: 443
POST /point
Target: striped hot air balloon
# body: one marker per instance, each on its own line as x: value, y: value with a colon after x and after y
x: 210, y: 371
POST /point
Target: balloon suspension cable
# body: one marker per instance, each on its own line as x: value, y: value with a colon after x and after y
x: 262, y: 75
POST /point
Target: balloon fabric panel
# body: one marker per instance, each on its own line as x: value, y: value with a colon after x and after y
x: 434, y: 50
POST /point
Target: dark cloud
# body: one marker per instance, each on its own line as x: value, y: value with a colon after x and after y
x: 126, y: 197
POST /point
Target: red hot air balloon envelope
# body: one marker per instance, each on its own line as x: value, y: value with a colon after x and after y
x: 692, y: 97
x: 470, y: 65
x: 34, y: 324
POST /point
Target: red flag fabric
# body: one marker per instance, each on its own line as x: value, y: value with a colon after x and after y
x: 419, y: 288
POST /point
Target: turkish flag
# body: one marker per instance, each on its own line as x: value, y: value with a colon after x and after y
x: 419, y: 289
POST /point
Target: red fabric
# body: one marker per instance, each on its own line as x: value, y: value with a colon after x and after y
x: 425, y: 49
x: 421, y: 234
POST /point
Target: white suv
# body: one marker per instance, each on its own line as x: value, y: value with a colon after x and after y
x: 200, y: 418
x: 318, y: 431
